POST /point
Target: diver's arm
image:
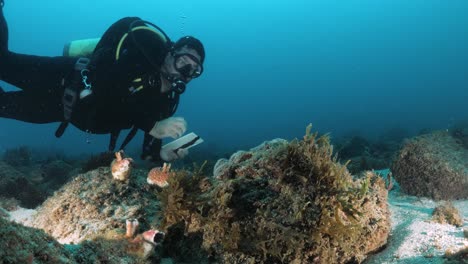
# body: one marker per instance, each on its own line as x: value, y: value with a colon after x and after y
x: 151, y: 148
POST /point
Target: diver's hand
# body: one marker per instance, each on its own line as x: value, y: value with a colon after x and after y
x: 173, y: 127
x: 169, y: 155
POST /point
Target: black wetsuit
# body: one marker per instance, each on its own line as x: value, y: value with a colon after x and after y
x: 113, y: 105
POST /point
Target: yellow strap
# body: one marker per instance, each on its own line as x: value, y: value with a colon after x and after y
x: 139, y: 88
x: 119, y: 46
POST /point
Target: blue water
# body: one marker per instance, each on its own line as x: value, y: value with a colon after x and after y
x: 272, y: 67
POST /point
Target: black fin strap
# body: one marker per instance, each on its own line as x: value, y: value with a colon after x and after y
x: 129, y: 137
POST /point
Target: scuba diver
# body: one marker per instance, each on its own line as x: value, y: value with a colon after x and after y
x: 131, y: 78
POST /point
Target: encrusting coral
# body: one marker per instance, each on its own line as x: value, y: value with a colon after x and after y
x: 282, y: 202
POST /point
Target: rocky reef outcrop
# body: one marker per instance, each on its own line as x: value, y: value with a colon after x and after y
x: 93, y: 203
x: 281, y: 202
x: 433, y: 165
x: 16, y: 184
x: 20, y: 244
x: 365, y: 154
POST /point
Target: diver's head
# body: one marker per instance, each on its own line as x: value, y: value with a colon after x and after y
x: 184, y: 62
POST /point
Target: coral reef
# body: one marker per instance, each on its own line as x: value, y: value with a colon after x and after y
x: 433, y: 165
x: 447, y: 214
x: 281, y: 202
x: 93, y: 203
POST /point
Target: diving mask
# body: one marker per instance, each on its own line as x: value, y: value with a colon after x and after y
x: 188, y: 65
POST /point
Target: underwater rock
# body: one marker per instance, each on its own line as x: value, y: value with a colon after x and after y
x: 457, y: 256
x: 56, y: 171
x: 356, y: 146
x: 460, y: 132
x: 281, y: 202
x: 100, y: 160
x: 433, y: 165
x: 54, y: 174
x: 244, y: 160
x: 93, y: 203
x: 365, y: 155
x: 20, y: 244
x: 20, y: 156
x: 447, y: 213
x: 14, y: 184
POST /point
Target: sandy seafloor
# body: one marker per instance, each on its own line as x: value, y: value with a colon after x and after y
x: 413, y: 239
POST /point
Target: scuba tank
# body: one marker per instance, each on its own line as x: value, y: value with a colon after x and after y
x: 80, y: 48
